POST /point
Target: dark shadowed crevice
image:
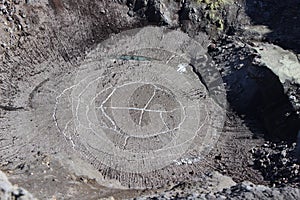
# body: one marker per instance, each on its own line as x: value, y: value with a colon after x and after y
x: 255, y: 93
x: 282, y: 17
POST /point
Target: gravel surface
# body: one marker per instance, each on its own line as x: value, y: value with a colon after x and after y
x: 11, y: 192
x: 277, y: 163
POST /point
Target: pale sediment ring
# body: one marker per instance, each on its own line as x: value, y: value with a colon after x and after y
x: 134, y: 110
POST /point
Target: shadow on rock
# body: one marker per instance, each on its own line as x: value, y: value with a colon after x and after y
x: 255, y: 92
x: 275, y: 109
x: 281, y: 17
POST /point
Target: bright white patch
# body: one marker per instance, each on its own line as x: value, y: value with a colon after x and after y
x: 187, y: 161
x: 283, y: 63
x: 182, y: 67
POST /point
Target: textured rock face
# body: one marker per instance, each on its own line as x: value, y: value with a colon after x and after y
x: 213, y: 183
x: 249, y: 191
x: 229, y: 190
x: 10, y: 192
x: 286, y: 66
x: 260, y: 94
x: 278, y: 163
x: 283, y: 63
x: 281, y: 17
x: 134, y: 109
x: 52, y: 70
x: 298, y: 146
x: 254, y: 90
x: 162, y: 12
x: 192, y: 16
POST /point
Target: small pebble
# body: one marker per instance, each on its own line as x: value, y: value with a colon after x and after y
x: 102, y: 10
x: 2, y: 7
x: 22, y: 14
x: 4, y: 11
x: 130, y: 13
x: 283, y: 153
x: 17, y: 1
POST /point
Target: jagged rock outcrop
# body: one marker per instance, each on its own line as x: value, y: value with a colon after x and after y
x: 12, y: 192
x: 230, y: 190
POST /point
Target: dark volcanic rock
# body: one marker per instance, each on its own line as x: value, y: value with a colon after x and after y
x: 282, y: 17
x: 211, y: 17
x: 249, y: 191
x: 160, y: 12
x: 277, y: 163
x: 254, y: 91
x: 245, y: 190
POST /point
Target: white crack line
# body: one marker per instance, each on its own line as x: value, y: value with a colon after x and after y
x: 125, y: 84
x: 171, y: 57
x: 69, y: 137
x: 161, y: 117
x: 179, y: 145
x: 79, y: 97
x: 57, y: 102
x: 109, y: 96
x: 140, y: 109
x: 76, y: 113
x: 158, y: 157
x: 172, y: 131
x: 153, y: 135
x: 125, y: 142
x: 143, y: 110
x: 106, y: 115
